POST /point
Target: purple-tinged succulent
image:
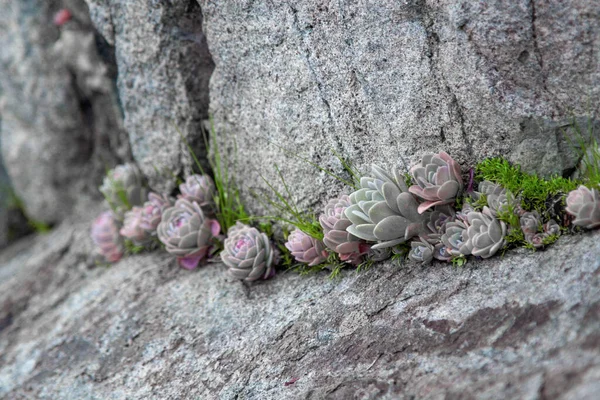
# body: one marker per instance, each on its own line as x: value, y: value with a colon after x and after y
x: 485, y: 234
x: 439, y: 218
x: 551, y: 228
x: 201, y: 189
x: 498, y: 198
x: 187, y: 233
x: 455, y: 241
x: 383, y: 211
x: 379, y: 254
x: 306, y: 249
x: 584, y: 205
x: 422, y: 251
x: 248, y: 253
x: 334, y: 223
x: 123, y: 188
x: 132, y: 228
x: 437, y: 179
x: 531, y: 223
x: 152, y: 212
x: 105, y: 235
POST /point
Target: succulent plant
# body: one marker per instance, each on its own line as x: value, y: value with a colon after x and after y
x: 530, y: 223
x: 498, y: 198
x: 123, y: 188
x: 105, y: 235
x: 152, y: 212
x: 584, y: 205
x: 306, y: 249
x: 485, y: 234
x: 132, y: 228
x: 551, y: 228
x: 383, y: 211
x: 248, y: 253
x: 437, y: 179
x: 187, y: 233
x: 334, y: 223
x: 455, y: 241
x: 439, y: 218
x: 201, y: 189
x: 421, y: 251
x: 379, y: 254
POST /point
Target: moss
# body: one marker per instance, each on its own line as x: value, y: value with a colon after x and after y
x: 533, y: 190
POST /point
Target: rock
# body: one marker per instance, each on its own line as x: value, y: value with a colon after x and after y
x: 61, y: 126
x: 391, y: 81
x: 164, y: 67
x: 522, y: 326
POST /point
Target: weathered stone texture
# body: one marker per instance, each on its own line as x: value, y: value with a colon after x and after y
x: 522, y: 326
x: 61, y: 126
x: 164, y: 67
x: 387, y: 81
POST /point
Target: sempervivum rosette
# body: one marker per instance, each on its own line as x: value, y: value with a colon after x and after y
x: 123, y: 188
x: 187, y: 233
x: 306, y: 249
x: 201, y: 189
x: 132, y: 228
x: 334, y: 223
x: 105, y: 235
x: 485, y: 234
x: 383, y: 211
x: 437, y: 179
x: 248, y: 253
x: 498, y: 198
x: 152, y: 211
x: 584, y: 205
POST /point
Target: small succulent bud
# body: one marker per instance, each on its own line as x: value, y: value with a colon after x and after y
x: 132, y: 226
x: 306, y: 249
x: 421, y: 251
x: 152, y: 212
x: 530, y: 222
x: 105, y: 235
x: 123, y: 188
x: 201, y: 189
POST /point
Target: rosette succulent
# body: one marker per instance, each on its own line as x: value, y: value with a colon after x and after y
x: 334, y: 223
x: 105, y: 235
x: 132, y: 226
x: 485, y: 234
x: 498, y: 198
x: 187, y: 233
x: 201, y: 189
x: 455, y: 241
x: 584, y: 205
x: 152, y: 212
x: 437, y: 179
x: 383, y: 211
x: 248, y: 253
x: 422, y: 251
x: 306, y: 249
x: 123, y: 188
x: 530, y: 223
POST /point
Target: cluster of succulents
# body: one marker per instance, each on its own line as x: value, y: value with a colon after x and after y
x: 389, y: 214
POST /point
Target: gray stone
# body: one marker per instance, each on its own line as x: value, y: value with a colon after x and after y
x: 61, y: 126
x: 525, y: 325
x: 388, y: 81
x: 164, y: 67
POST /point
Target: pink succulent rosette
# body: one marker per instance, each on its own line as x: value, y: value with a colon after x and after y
x: 187, y: 233
x: 248, y: 253
x: 584, y: 205
x: 105, y: 235
x: 132, y: 226
x: 334, y: 222
x: 437, y: 179
x: 201, y: 189
x: 152, y: 211
x: 306, y: 249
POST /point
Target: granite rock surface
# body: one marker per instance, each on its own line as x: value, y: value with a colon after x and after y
x: 521, y: 326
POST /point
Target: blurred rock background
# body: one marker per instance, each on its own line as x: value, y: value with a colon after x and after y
x: 375, y: 81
